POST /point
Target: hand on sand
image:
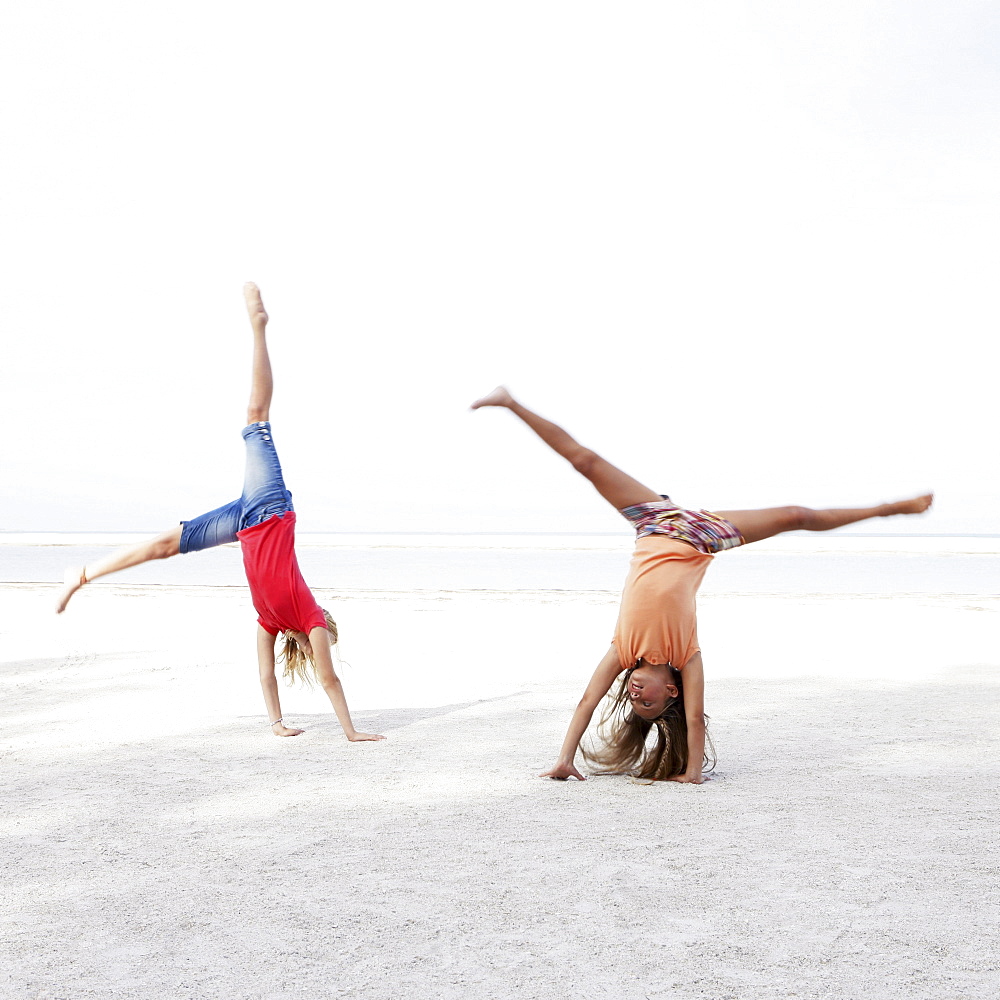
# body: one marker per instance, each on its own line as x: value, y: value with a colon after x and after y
x: 561, y: 772
x: 285, y: 731
x: 690, y: 779
x: 357, y: 737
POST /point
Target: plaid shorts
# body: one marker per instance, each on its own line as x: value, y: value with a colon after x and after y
x: 706, y: 531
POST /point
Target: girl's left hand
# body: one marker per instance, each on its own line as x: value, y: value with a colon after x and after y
x: 563, y: 771
x: 357, y: 737
x: 689, y: 779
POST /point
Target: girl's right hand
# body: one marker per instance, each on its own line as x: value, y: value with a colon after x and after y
x: 694, y: 778
x: 563, y: 771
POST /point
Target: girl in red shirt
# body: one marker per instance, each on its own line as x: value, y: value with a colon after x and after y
x: 263, y: 520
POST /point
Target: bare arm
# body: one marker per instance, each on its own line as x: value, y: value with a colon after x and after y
x: 269, y: 683
x: 319, y: 639
x: 694, y: 714
x: 607, y: 670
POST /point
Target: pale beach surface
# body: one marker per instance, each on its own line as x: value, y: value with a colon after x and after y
x: 160, y: 843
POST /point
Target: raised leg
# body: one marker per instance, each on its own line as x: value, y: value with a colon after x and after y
x: 162, y: 547
x: 617, y: 487
x: 755, y: 525
x: 261, y: 383
x: 168, y: 544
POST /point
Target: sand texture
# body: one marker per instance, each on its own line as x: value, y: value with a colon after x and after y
x: 159, y: 843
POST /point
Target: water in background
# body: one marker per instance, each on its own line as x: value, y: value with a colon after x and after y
x: 792, y: 564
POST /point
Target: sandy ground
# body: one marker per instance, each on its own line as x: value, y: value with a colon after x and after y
x: 159, y: 843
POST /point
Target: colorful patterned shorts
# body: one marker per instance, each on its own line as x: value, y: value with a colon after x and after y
x: 706, y: 531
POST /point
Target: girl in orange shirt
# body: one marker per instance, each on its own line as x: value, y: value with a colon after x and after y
x: 655, y: 649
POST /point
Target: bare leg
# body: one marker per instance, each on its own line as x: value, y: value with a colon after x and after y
x: 168, y: 544
x: 755, y: 525
x: 617, y: 487
x: 162, y: 547
x: 261, y: 384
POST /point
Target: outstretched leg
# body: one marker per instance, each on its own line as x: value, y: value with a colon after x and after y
x: 223, y: 523
x: 161, y: 547
x: 617, y: 487
x: 755, y: 525
x: 261, y: 383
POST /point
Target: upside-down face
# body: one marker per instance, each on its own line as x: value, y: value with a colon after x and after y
x: 650, y: 689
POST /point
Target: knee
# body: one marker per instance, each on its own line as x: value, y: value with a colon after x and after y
x: 164, y: 548
x: 798, y: 518
x: 583, y: 460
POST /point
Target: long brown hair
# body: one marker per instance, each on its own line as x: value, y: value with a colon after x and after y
x: 627, y: 747
x: 299, y: 664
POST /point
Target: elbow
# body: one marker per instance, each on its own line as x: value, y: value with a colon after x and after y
x: 331, y: 685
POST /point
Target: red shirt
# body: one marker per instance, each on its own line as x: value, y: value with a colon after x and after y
x: 279, y: 593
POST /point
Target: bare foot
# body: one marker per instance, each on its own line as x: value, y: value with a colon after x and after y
x: 285, y: 731
x: 255, y: 307
x: 915, y: 506
x: 73, y: 579
x: 498, y: 397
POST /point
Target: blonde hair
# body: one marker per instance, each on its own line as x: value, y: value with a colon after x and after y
x: 627, y: 747
x: 299, y: 664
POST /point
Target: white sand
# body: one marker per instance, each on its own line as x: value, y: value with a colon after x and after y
x: 160, y: 843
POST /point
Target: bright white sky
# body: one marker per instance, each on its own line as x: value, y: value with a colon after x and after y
x: 748, y: 251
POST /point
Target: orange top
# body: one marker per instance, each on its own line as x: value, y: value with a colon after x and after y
x: 657, y: 617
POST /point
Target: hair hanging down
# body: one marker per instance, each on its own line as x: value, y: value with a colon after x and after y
x: 627, y: 748
x: 299, y: 664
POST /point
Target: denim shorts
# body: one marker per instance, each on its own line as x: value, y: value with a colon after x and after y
x: 264, y: 495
